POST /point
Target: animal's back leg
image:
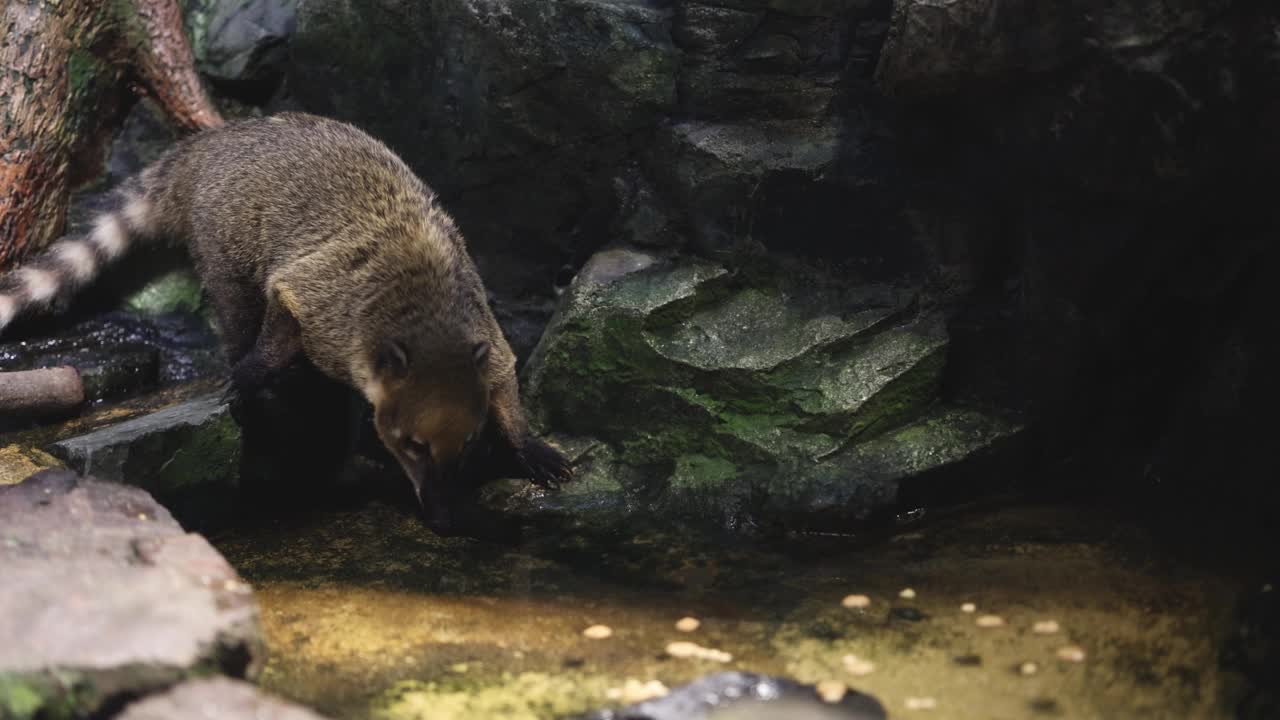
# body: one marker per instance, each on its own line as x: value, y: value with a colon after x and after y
x: 277, y: 346
x: 239, y: 307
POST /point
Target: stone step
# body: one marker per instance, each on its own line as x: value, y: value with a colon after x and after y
x: 105, y: 597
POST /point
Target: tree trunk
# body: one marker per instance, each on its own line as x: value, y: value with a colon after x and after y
x: 68, y: 70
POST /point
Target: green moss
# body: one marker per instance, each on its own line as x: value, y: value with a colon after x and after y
x: 703, y: 386
x: 526, y: 696
x: 83, y: 70
x: 172, y: 291
x: 701, y: 472
x: 18, y: 700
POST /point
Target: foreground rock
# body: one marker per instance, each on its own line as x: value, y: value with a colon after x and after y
x: 747, y: 696
x: 214, y: 698
x: 106, y: 597
x: 764, y: 393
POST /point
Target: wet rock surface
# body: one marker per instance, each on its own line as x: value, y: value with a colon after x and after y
x: 747, y: 696
x: 105, y: 597
x: 120, y: 354
x: 766, y: 395
x: 216, y: 698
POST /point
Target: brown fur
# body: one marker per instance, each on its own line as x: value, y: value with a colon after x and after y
x: 312, y: 237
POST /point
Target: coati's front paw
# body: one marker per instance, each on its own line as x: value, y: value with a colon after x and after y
x: 543, y: 464
x: 249, y: 375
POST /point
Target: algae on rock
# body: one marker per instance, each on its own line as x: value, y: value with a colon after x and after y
x: 748, y: 394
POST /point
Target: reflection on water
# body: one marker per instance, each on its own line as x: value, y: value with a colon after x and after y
x: 368, y: 615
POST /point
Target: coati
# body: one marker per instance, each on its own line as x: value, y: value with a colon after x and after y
x: 313, y: 238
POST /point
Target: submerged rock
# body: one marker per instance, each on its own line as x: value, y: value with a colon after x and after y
x: 747, y: 696
x: 18, y: 462
x: 764, y: 392
x: 105, y: 597
x: 214, y: 699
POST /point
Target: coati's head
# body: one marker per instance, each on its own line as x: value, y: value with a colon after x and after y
x: 429, y: 408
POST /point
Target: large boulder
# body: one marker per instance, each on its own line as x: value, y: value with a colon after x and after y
x: 546, y: 125
x: 759, y: 394
x: 106, y: 598
x: 242, y: 46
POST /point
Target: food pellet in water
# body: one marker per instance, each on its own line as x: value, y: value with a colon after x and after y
x: 907, y: 594
x: 969, y: 608
x: 857, y: 666
x: 921, y: 703
x: 856, y: 601
x: 1045, y: 627
x: 1071, y: 653
x: 598, y: 632
x: 688, y: 624
x: 989, y: 621
x: 1028, y: 668
x: 633, y: 691
x: 684, y: 649
x: 832, y: 691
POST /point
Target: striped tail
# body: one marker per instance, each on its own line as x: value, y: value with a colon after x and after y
x: 72, y: 262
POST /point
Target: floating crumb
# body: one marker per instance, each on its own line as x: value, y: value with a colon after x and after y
x: 684, y: 649
x: 633, y: 691
x: 857, y: 666
x: 921, y: 703
x: 989, y: 621
x: 907, y: 594
x: 856, y: 601
x: 688, y: 624
x: 1071, y: 653
x: 831, y: 691
x: 459, y: 667
x: 1045, y: 627
x: 969, y: 608
x: 1028, y: 668
x: 598, y: 632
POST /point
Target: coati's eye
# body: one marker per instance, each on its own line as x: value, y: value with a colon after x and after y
x: 416, y: 449
x: 392, y: 359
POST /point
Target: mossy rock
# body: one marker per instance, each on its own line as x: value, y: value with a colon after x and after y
x: 764, y: 392
x: 176, y: 290
x: 186, y: 455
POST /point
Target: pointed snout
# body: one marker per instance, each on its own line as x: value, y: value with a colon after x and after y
x: 433, y: 483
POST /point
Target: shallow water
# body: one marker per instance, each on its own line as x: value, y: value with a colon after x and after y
x: 369, y: 615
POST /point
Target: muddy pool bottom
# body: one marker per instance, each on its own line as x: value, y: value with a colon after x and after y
x: 1020, y: 612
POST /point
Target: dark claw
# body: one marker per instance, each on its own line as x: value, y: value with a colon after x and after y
x: 544, y: 465
x: 250, y: 374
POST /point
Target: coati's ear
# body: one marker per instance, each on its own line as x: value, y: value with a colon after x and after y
x: 480, y: 351
x: 392, y: 359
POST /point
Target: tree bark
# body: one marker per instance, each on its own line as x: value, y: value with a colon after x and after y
x: 69, y: 68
